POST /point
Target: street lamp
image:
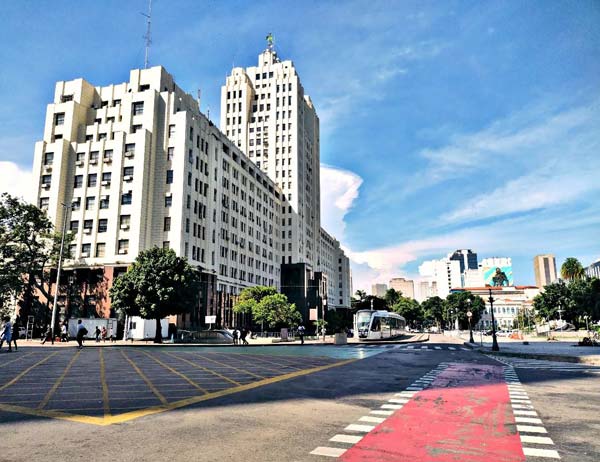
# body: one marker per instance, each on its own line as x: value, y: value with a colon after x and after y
x: 494, y: 338
x: 469, y: 315
x: 60, y: 254
x: 587, y: 328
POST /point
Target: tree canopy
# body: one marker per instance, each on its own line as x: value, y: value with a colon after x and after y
x: 578, y: 298
x: 433, y: 310
x: 410, y: 309
x: 392, y: 296
x: 457, y: 304
x: 572, y: 269
x: 29, y: 250
x: 158, y: 284
x: 267, y: 305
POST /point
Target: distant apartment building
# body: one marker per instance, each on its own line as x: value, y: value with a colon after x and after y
x: 593, y: 271
x: 426, y: 289
x: 379, y: 290
x: 491, y: 266
x: 444, y: 272
x: 544, y: 267
x: 336, y: 266
x: 406, y: 286
x: 266, y: 113
x: 467, y: 259
x: 139, y: 166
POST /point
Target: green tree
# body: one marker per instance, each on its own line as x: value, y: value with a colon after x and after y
x: 433, y: 310
x: 29, y: 250
x: 457, y: 304
x: 571, y: 269
x: 392, y: 296
x: 411, y: 310
x: 266, y: 305
x: 158, y: 284
x: 361, y: 294
x: 556, y: 295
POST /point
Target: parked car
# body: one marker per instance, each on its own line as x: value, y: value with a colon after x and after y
x: 503, y: 333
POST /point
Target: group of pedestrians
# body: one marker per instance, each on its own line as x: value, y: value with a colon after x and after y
x: 9, y: 334
x: 239, y: 336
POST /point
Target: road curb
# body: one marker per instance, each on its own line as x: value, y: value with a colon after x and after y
x: 591, y: 360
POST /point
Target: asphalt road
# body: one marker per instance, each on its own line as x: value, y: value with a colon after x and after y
x: 272, y: 403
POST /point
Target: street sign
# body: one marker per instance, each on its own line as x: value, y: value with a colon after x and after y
x: 210, y: 319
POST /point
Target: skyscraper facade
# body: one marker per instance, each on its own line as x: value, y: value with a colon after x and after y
x: 266, y: 113
x: 544, y: 267
x: 405, y: 286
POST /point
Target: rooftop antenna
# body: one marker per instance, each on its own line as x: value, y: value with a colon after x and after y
x: 148, y: 36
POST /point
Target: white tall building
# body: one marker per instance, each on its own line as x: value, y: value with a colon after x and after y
x: 336, y: 266
x: 140, y: 166
x: 445, y: 273
x: 266, y: 113
x: 406, y: 286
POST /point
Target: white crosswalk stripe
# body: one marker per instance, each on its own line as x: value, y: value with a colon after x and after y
x: 526, y: 363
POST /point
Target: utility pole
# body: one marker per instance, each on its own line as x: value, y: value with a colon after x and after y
x: 62, y: 245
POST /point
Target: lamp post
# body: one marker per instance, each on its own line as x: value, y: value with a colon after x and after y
x: 587, y: 328
x: 60, y: 254
x: 469, y: 315
x: 494, y: 338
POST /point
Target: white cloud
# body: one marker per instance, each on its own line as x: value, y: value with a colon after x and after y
x: 15, y: 180
x: 339, y: 189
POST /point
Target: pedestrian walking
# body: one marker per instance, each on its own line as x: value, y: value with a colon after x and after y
x: 47, y: 334
x: 64, y: 335
x: 235, y: 335
x: 97, y: 334
x: 15, y: 332
x: 112, y: 335
x: 81, y: 332
x: 104, y: 334
x: 6, y: 333
x: 243, y: 336
x: 301, y: 333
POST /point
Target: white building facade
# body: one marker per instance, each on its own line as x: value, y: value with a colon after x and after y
x: 336, y: 266
x: 266, y: 113
x: 140, y: 166
x: 444, y: 272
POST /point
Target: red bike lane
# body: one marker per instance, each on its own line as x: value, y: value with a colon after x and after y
x: 464, y: 415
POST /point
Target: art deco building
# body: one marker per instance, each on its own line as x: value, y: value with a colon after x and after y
x: 136, y: 165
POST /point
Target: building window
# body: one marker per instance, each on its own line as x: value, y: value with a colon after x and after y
x: 90, y: 202
x: 170, y: 153
x: 126, y: 198
x: 48, y: 158
x: 138, y: 108
x: 124, y: 221
x: 76, y: 204
x: 130, y: 148
x: 78, y: 181
x: 102, y: 225
x: 135, y: 128
x: 167, y: 224
x: 92, y: 180
x: 44, y: 203
x: 100, y: 249
x: 168, y: 201
x: 166, y: 244
x: 123, y: 246
x: 59, y: 118
x: 169, y: 176
x: 85, y: 250
x: 106, y: 178
x: 127, y: 171
x: 94, y: 157
x: 88, y: 224
x: 108, y: 155
x: 46, y: 180
x: 171, y: 130
x: 74, y: 226
x: 104, y: 202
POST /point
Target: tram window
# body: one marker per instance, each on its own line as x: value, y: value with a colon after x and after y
x: 375, y: 325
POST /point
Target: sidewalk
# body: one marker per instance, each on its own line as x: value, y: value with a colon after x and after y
x: 260, y: 341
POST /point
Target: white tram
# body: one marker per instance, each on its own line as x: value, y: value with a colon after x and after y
x: 377, y: 325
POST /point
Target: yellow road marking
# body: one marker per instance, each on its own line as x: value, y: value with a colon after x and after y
x: 127, y: 416
x: 146, y: 379
x: 170, y: 369
x: 17, y: 359
x: 228, y: 366
x: 58, y: 381
x: 26, y: 371
x: 198, y: 366
x: 104, y: 384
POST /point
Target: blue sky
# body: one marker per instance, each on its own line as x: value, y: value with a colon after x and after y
x: 444, y: 125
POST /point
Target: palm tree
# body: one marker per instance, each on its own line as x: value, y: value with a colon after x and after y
x: 571, y: 269
x: 361, y: 294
